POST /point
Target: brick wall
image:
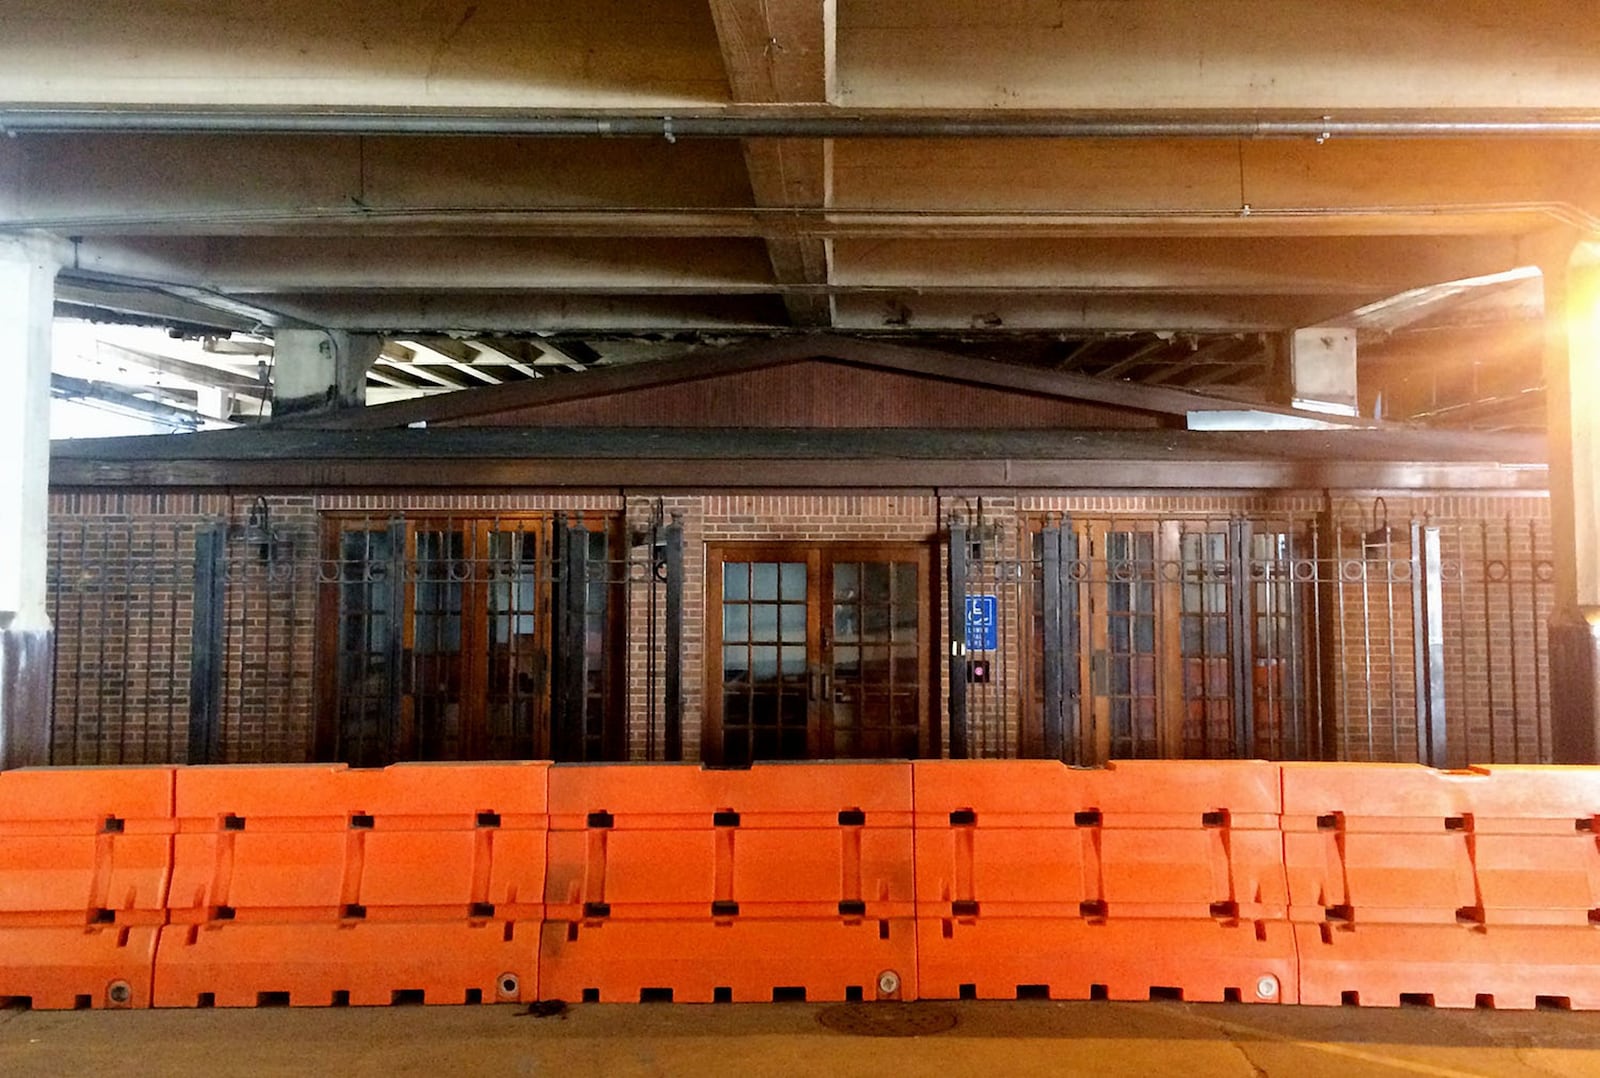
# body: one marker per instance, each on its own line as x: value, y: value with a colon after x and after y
x: 121, y: 598
x: 123, y: 570
x: 1497, y: 590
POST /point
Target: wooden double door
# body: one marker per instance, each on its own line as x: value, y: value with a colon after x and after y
x: 1183, y: 638
x: 818, y: 651
x: 445, y: 644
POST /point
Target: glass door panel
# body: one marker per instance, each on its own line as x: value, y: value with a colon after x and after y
x: 1131, y: 632
x: 368, y: 645
x: 517, y: 674
x: 766, y: 673
x: 431, y: 720
x: 876, y: 662
x: 1205, y: 611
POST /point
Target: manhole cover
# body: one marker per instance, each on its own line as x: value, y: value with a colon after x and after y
x: 887, y: 1019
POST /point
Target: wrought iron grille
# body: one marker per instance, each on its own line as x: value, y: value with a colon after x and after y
x: 1324, y: 635
x: 1333, y: 635
x: 368, y: 639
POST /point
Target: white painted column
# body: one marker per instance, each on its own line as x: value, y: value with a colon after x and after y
x: 1572, y: 378
x: 28, y: 266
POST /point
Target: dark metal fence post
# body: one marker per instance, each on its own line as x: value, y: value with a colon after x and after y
x: 1054, y: 659
x: 1241, y: 605
x: 569, y: 711
x: 1072, y: 575
x: 207, y: 646
x: 400, y: 677
x: 957, y: 569
x: 673, y: 712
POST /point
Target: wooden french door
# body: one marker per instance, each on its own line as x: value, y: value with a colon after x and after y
x: 1195, y: 638
x: 444, y: 643
x: 817, y: 651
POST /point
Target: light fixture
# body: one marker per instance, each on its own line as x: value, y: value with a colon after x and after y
x: 257, y: 532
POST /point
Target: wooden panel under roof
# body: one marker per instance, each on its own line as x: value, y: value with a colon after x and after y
x: 826, y: 395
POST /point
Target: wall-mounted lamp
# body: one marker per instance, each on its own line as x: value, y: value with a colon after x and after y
x: 257, y: 532
x: 1377, y: 541
x: 982, y: 535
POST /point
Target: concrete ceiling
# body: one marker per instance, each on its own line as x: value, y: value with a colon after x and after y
x: 265, y: 185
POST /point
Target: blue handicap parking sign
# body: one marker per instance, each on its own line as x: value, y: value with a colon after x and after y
x: 982, y: 615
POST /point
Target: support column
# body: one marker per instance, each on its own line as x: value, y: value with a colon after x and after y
x: 315, y: 370
x: 1322, y: 369
x: 28, y: 267
x: 1572, y: 378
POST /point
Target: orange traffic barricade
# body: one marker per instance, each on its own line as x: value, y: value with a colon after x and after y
x: 1455, y: 889
x: 1143, y: 879
x: 318, y: 885
x: 784, y: 881
x: 85, y: 855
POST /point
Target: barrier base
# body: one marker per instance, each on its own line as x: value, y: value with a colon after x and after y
x: 363, y: 965
x: 61, y: 969
x: 744, y: 961
x: 1028, y: 958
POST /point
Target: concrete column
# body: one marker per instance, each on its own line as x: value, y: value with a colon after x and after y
x: 28, y: 267
x: 1572, y: 375
x: 1322, y: 369
x: 315, y: 370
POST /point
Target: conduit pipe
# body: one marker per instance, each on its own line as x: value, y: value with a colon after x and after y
x: 809, y: 125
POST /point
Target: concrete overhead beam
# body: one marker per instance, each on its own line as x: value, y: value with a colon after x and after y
x: 1313, y: 55
x: 243, y: 266
x: 1323, y: 55
x: 409, y: 312
x: 785, y: 53
x: 216, y: 185
x: 1316, y: 265
x: 249, y: 182
x: 1414, y: 179
x: 405, y: 313
x: 557, y: 53
x: 1101, y: 312
x: 778, y: 52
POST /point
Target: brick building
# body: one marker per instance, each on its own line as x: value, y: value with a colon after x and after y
x: 899, y: 555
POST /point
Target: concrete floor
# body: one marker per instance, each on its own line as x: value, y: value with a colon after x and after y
x: 1014, y: 1039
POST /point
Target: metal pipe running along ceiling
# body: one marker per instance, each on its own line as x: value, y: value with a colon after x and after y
x: 829, y: 124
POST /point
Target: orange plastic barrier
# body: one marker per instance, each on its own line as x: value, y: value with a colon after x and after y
x: 786, y: 881
x: 1457, y: 889
x: 1146, y: 879
x: 85, y: 855
x: 321, y: 885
